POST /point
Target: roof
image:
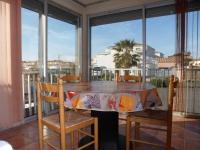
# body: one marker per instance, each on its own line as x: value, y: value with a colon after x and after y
x: 166, y: 59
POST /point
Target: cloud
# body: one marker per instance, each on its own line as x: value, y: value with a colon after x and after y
x: 29, y: 34
x: 30, y: 28
x: 64, y: 35
x: 32, y: 31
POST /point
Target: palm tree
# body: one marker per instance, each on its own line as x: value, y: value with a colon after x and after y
x: 124, y: 57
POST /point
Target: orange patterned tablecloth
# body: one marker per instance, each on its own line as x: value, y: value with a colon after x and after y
x: 111, y: 96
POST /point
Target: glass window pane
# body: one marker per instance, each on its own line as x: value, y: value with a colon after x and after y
x: 103, y: 38
x: 192, y: 63
x: 161, y: 36
x: 30, y: 36
x: 61, y: 47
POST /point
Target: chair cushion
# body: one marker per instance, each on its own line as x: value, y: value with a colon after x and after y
x: 151, y: 114
x: 71, y: 118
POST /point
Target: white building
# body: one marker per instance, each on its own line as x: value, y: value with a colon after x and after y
x: 106, y: 58
x: 159, y: 54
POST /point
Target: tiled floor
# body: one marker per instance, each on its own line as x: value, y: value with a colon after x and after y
x: 185, y: 136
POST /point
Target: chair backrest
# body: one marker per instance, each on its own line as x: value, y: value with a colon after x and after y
x: 71, y: 78
x: 52, y: 93
x: 171, y: 93
x: 132, y: 77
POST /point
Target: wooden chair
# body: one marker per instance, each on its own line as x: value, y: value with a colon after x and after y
x: 71, y: 78
x: 152, y: 117
x: 63, y: 122
x: 132, y: 77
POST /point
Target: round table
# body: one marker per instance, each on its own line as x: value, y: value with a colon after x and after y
x: 91, y: 96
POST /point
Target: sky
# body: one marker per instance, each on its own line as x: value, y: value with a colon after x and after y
x: 61, y: 38
x: 155, y: 28
x: 160, y: 34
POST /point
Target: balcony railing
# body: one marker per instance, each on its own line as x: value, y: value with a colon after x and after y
x: 108, y: 74
x: 29, y: 79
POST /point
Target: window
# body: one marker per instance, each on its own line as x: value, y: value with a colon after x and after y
x: 192, y: 61
x: 30, y: 46
x: 30, y: 28
x: 108, y: 30
x: 61, y: 46
x: 62, y: 49
x: 161, y: 38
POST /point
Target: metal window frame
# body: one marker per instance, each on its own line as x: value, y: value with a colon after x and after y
x: 144, y: 8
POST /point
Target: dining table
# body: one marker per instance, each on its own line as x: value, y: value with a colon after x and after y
x: 106, y: 100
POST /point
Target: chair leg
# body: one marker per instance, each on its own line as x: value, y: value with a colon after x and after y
x: 169, y: 135
x: 137, y: 135
x: 96, y: 145
x: 72, y: 140
x: 63, y: 141
x: 40, y: 127
x: 128, y: 133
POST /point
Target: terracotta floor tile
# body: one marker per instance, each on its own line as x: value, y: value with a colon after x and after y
x: 185, y: 136
x: 19, y: 141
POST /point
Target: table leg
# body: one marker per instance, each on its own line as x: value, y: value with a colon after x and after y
x: 108, y: 129
x: 109, y: 138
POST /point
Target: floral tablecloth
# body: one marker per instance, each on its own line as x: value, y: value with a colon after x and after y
x: 120, y: 101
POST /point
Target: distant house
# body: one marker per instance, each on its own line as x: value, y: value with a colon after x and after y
x: 166, y: 62
x: 30, y: 66
x: 172, y: 61
x: 104, y: 59
x: 194, y: 63
x: 159, y: 54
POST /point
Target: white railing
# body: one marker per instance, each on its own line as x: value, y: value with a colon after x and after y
x: 29, y: 79
x: 29, y: 92
x: 108, y: 74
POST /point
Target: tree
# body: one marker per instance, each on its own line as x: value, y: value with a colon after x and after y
x: 124, y: 57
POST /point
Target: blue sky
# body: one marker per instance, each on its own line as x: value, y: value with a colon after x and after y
x: 160, y: 33
x: 30, y: 23
x: 61, y: 38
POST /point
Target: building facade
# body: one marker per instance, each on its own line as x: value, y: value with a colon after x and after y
x: 106, y: 59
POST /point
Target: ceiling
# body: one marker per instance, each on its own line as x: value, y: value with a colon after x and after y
x: 86, y: 3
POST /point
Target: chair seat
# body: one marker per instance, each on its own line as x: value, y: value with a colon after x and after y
x: 72, y: 119
x: 151, y: 114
